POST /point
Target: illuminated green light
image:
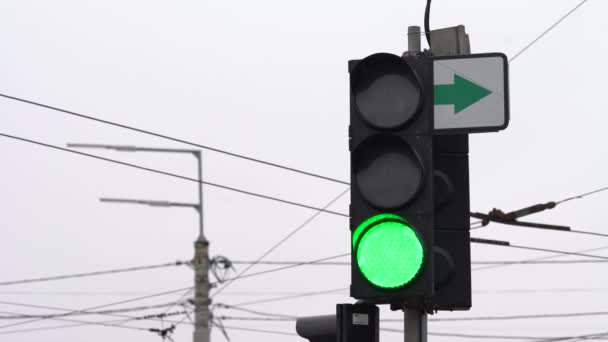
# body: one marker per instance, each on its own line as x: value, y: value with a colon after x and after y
x: 389, y: 254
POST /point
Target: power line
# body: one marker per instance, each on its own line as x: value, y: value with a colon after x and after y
x: 576, y: 338
x: 71, y: 312
x: 175, y: 175
x: 582, y: 195
x: 516, y: 317
x: 288, y: 267
x: 544, y: 291
x: 56, y: 327
x: 104, y: 324
x: 166, y: 137
x: 547, y: 31
x: 258, y: 319
x: 300, y: 295
x: 500, y: 337
x: 255, y: 312
x: 537, y: 262
x: 261, y: 331
x: 556, y: 251
x: 557, y: 255
x: 102, y: 312
x: 283, y: 240
x: 90, y: 274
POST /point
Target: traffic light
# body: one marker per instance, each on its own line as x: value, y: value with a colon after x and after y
x: 452, y: 246
x: 392, y: 197
x: 351, y: 323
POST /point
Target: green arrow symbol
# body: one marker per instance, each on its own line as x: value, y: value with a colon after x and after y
x: 462, y: 94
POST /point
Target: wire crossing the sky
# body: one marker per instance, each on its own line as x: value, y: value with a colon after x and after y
x: 182, y: 141
x: 175, y: 175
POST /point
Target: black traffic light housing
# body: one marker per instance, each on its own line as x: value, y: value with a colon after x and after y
x: 351, y: 323
x: 452, y: 238
x: 391, y: 145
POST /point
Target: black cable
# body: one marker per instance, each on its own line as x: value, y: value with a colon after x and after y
x: 158, y: 135
x: 500, y: 337
x: 90, y: 274
x: 261, y: 331
x: 488, y: 262
x: 515, y: 317
x: 286, y: 267
x: 71, y: 312
x: 547, y: 30
x: 557, y: 255
x: 255, y: 312
x: 556, y: 251
x: 277, y: 262
x: 80, y: 323
x: 427, y: 24
x: 102, y: 312
x: 86, y: 323
x: 305, y: 294
x: 283, y: 240
x: 576, y: 338
x: 258, y: 319
x: 539, y: 262
x: 582, y: 195
x: 175, y: 175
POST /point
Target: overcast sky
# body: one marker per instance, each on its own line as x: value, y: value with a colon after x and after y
x: 268, y: 79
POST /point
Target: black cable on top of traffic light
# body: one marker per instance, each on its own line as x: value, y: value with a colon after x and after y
x: 427, y: 22
x: 245, y: 192
x: 166, y: 137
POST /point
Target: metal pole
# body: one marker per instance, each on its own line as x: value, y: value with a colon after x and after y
x: 414, y: 325
x: 201, y: 234
x: 413, y: 40
x: 202, y: 331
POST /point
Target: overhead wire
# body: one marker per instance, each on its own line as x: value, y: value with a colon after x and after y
x: 554, y: 25
x: 487, y: 262
x: 557, y: 255
x: 101, y: 312
x: 276, y: 199
x: 70, y: 312
x: 459, y: 335
x: 166, y: 137
x: 294, y: 296
x: 82, y: 323
x: 90, y: 274
x: 282, y: 241
x: 275, y: 332
x: 288, y: 267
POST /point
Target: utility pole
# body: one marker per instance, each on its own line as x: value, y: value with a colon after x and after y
x: 200, y: 262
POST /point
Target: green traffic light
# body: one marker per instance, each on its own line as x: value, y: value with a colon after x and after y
x: 388, y: 251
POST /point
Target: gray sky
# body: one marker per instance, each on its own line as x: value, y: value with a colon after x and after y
x: 269, y: 79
